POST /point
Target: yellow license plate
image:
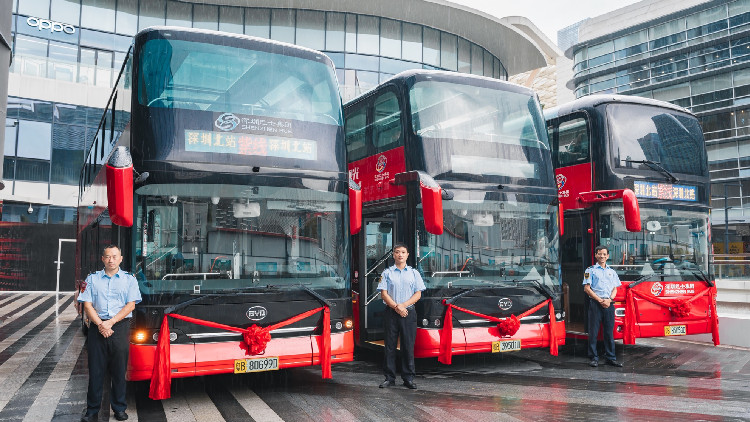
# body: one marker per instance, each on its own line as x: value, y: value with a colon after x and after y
x: 506, y: 346
x: 243, y: 366
x: 675, y: 330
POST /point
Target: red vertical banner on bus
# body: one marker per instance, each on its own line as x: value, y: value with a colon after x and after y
x: 571, y: 181
x: 374, y: 174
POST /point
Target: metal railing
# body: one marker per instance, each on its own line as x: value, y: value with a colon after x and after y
x: 731, y: 266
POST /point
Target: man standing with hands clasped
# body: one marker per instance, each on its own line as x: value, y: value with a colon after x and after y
x: 109, y: 300
x: 600, y: 283
x: 401, y: 287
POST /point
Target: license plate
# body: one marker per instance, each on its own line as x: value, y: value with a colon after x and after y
x: 675, y: 330
x: 506, y: 346
x: 242, y: 366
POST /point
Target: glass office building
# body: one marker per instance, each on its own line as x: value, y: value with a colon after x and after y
x: 67, y: 54
x: 697, y: 58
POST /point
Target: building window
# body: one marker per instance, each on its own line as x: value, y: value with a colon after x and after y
x: 257, y: 22
x: 368, y: 28
x: 311, y: 29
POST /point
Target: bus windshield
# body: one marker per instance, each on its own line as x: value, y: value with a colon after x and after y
x: 479, y: 131
x: 226, y: 237
x: 673, y: 243
x: 672, y: 140
x: 491, y: 242
x: 200, y: 76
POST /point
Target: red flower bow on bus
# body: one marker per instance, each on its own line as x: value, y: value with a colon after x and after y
x: 254, y: 342
x: 506, y: 327
x: 678, y: 307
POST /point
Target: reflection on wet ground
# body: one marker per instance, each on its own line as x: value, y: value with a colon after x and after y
x: 43, y: 376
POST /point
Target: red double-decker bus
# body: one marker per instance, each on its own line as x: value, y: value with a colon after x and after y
x: 458, y: 168
x: 653, y: 156
x: 219, y: 168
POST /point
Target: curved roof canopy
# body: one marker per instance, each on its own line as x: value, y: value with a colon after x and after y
x: 517, y: 51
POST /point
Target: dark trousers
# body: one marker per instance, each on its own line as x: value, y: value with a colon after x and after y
x: 108, y: 355
x: 407, y: 328
x: 606, y: 317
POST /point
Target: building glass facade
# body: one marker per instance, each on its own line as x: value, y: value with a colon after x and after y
x: 74, y: 50
x: 699, y: 59
x: 366, y: 50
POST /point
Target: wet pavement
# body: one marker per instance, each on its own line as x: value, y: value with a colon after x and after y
x: 43, y: 377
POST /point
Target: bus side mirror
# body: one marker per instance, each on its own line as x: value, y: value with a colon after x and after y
x: 120, y: 187
x: 432, y: 198
x: 355, y: 207
x: 632, y: 211
x: 432, y: 206
x: 561, y: 218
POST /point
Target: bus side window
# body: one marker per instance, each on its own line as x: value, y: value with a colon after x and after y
x: 386, y: 123
x: 573, y: 142
x: 356, y: 138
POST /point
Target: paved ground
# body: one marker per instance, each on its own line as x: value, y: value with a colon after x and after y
x: 43, y: 377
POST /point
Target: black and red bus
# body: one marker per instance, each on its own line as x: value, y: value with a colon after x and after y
x: 652, y: 155
x: 219, y: 168
x: 457, y: 167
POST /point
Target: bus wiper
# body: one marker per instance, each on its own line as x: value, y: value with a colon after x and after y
x: 702, y: 276
x: 656, y: 167
x: 316, y: 295
x: 542, y: 289
x: 240, y: 291
x: 640, y: 280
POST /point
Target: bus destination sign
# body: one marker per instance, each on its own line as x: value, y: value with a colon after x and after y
x: 664, y: 191
x: 250, y: 144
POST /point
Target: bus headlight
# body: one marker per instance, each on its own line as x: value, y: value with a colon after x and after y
x: 437, y: 322
x: 425, y: 322
x: 348, y: 324
x: 140, y: 336
x: 558, y: 316
x: 339, y: 325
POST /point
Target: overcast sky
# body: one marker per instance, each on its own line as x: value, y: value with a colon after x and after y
x: 548, y: 15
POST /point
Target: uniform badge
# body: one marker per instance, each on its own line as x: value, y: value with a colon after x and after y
x: 586, y: 275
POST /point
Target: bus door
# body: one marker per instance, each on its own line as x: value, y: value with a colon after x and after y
x: 575, y: 257
x: 378, y: 255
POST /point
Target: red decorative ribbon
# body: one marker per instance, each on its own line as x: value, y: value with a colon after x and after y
x: 254, y: 341
x: 678, y: 307
x: 506, y: 327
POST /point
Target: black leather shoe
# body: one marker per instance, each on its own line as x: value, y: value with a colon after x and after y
x: 594, y: 363
x: 410, y: 385
x: 121, y: 416
x: 90, y: 418
x: 614, y: 363
x: 387, y: 383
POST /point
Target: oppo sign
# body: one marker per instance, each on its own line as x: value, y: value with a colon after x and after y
x: 45, y: 24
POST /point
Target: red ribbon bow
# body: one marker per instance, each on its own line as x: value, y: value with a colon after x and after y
x: 506, y: 327
x: 678, y: 307
x: 254, y: 342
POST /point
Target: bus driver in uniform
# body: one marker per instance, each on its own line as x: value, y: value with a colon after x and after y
x: 400, y: 287
x: 600, y: 283
x: 109, y: 300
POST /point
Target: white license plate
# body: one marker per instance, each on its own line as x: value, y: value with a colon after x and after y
x: 242, y: 366
x: 506, y: 346
x: 675, y: 330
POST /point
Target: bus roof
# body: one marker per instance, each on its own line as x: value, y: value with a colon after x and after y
x: 448, y: 76
x: 194, y: 34
x: 590, y: 101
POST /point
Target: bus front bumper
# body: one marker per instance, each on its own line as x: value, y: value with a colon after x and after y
x: 188, y: 360
x: 479, y: 339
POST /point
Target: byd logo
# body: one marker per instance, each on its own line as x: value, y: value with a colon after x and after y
x: 41, y: 24
x: 256, y: 313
